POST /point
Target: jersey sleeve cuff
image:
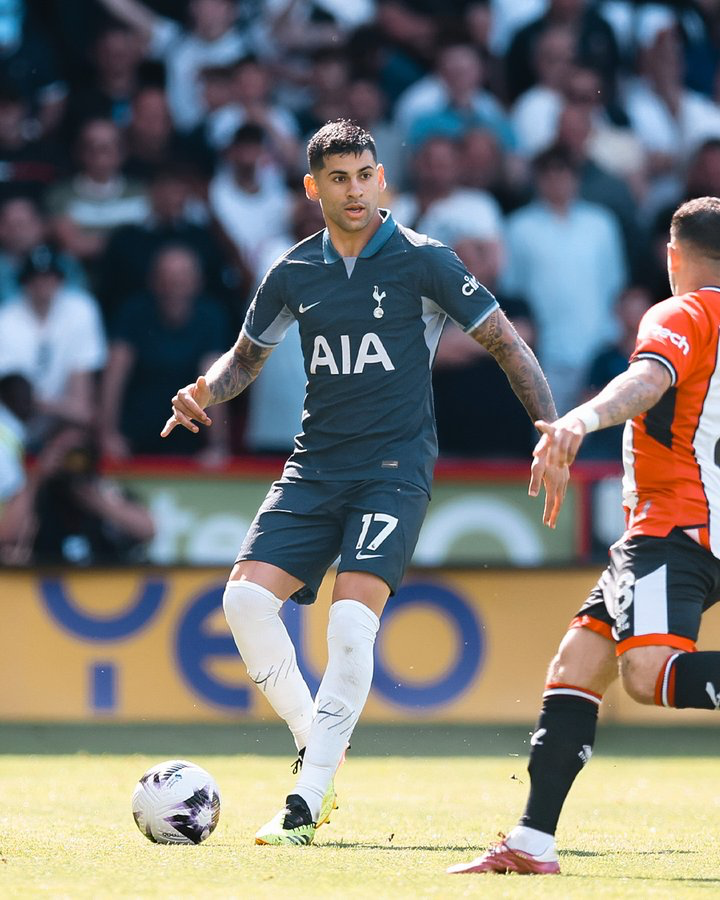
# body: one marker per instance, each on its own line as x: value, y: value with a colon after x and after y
x: 481, y: 318
x: 661, y: 359
x: 264, y: 344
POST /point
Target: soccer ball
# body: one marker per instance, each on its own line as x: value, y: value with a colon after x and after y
x: 176, y: 802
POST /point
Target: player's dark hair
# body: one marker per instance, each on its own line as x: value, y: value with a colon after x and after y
x: 338, y: 138
x: 697, y: 222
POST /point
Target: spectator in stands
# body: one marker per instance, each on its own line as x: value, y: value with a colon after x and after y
x: 566, y: 257
x: 27, y: 165
x: 597, y: 185
x: 306, y: 26
x: 53, y: 335
x: 248, y: 197
x: 536, y: 112
x: 670, y: 120
x: 63, y: 510
x: 703, y: 176
x: 477, y: 23
x: 150, y: 139
x: 400, y: 49
x: 86, y: 207
x: 125, y: 265
x: 198, y: 148
x: 173, y: 330
x: 28, y: 67
x: 595, y: 44
x: 328, y: 84
x: 611, y: 361
x: 463, y: 368
x: 484, y: 167
x: 115, y: 57
x: 211, y: 40
x: 250, y: 102
x: 22, y: 228
x: 508, y: 17
x: 16, y: 409
x: 81, y: 517
x: 438, y: 205
x: 452, y: 100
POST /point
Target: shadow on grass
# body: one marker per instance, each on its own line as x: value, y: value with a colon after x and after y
x: 360, y: 845
x: 584, y: 853
x: 222, y: 739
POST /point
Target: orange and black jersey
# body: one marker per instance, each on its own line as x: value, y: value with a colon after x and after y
x: 671, y: 453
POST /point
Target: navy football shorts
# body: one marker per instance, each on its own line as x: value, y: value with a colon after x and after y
x: 654, y: 592
x: 304, y: 526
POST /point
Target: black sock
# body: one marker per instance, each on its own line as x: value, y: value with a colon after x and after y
x: 561, y: 745
x: 696, y: 680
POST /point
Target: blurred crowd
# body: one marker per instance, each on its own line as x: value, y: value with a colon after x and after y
x: 151, y: 163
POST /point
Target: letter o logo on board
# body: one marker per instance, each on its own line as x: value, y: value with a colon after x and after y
x: 197, y: 646
x: 469, y: 641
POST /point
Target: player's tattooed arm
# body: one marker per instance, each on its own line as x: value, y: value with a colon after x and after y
x: 526, y: 378
x: 233, y: 372
x: 632, y: 393
x: 225, y: 379
x: 497, y: 334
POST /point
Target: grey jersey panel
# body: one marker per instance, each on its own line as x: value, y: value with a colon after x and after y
x: 368, y: 343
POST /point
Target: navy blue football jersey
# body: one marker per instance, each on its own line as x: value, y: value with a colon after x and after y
x: 369, y: 328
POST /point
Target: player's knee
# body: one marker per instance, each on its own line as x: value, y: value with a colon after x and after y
x: 639, y: 678
x: 584, y: 659
x: 245, y: 602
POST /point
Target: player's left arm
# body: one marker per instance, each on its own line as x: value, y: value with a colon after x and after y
x: 632, y: 393
x: 497, y: 334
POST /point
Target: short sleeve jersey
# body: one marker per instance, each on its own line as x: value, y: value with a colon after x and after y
x: 369, y: 329
x: 671, y: 453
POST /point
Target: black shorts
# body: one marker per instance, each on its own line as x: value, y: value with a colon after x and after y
x: 303, y: 526
x: 653, y: 592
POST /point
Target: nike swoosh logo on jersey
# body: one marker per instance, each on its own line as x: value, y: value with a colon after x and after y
x: 303, y: 309
x: 368, y: 555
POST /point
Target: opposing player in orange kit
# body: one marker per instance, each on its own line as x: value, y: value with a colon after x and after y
x: 664, y: 572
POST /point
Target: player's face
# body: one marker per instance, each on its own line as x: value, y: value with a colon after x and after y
x: 348, y: 188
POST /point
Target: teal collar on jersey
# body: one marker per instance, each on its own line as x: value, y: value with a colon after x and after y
x: 376, y: 242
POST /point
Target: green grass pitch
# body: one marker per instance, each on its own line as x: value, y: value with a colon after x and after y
x: 643, y: 820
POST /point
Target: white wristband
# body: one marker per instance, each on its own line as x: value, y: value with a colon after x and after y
x: 588, y: 416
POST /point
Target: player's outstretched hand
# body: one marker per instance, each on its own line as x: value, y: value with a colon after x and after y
x: 189, y: 404
x: 559, y: 440
x: 555, y: 479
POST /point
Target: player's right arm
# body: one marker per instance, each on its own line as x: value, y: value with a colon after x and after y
x: 265, y: 325
x: 672, y: 337
x: 630, y: 394
x: 226, y: 378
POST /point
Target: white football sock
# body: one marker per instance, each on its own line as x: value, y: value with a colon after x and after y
x: 252, y: 612
x: 537, y: 843
x: 340, y: 698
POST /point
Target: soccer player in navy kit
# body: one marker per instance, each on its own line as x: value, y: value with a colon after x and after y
x: 371, y: 298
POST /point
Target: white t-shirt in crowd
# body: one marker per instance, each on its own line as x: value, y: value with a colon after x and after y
x: 465, y: 213
x: 660, y: 132
x: 535, y: 116
x: 185, y: 55
x: 48, y: 351
x: 251, y: 220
